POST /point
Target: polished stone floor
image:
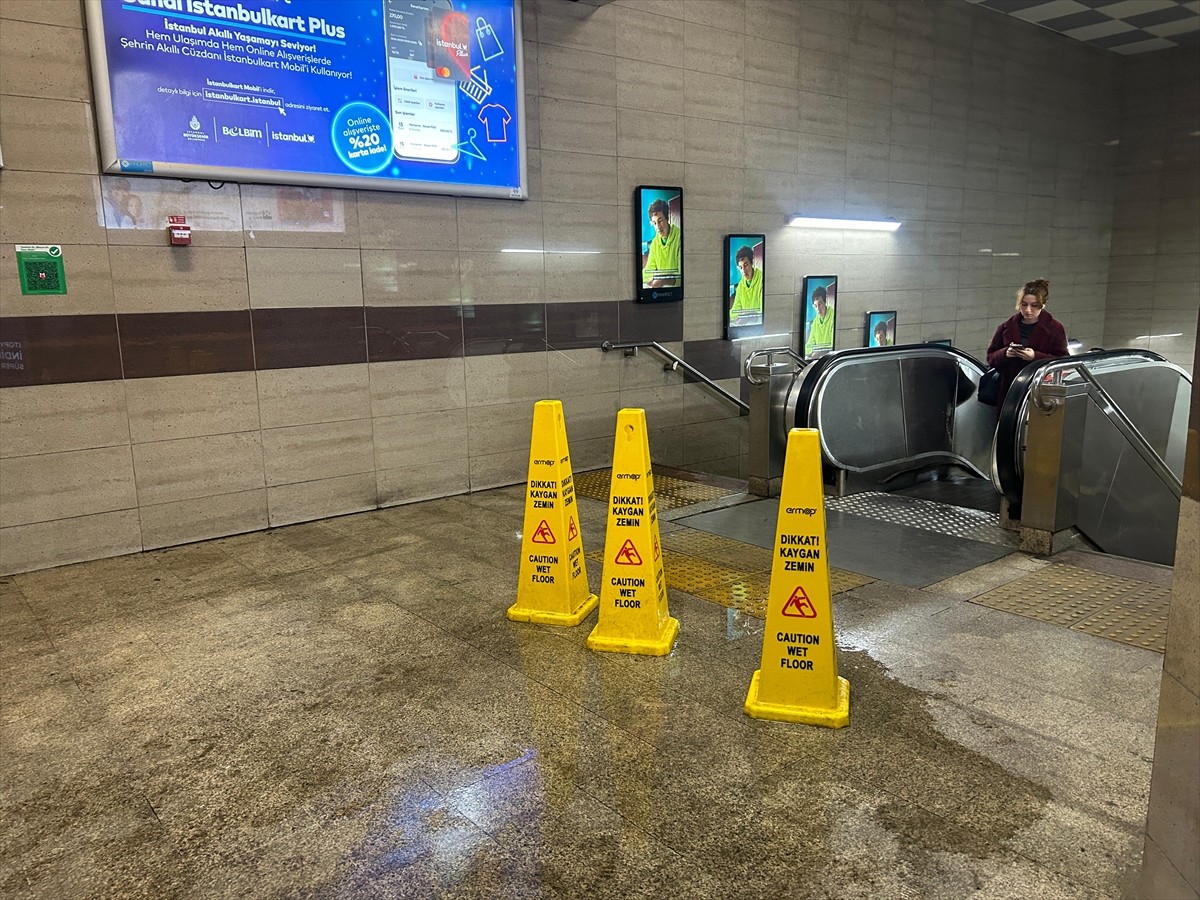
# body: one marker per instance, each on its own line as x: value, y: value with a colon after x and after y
x: 341, y: 709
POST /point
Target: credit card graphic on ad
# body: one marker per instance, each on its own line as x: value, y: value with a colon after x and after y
x: 448, y: 45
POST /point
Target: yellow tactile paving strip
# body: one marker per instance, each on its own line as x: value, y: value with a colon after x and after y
x: 726, y: 572
x: 1108, y: 606
x: 720, y: 550
x: 669, y: 493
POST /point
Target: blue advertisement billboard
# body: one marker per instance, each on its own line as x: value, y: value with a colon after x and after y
x: 414, y: 95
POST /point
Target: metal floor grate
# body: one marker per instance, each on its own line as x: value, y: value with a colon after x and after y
x: 1108, y: 606
x: 957, y: 521
x: 727, y: 572
x: 669, y: 492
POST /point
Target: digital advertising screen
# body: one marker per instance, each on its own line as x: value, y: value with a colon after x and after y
x: 405, y: 95
x: 744, y: 276
x: 818, y: 313
x: 658, y: 235
x: 881, y: 328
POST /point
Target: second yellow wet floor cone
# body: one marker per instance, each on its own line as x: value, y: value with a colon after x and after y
x: 633, y: 591
x: 797, y: 679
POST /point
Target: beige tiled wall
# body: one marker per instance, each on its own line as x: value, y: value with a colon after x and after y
x: 759, y: 108
x: 1154, y: 269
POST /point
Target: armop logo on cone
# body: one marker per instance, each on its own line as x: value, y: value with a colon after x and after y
x: 633, y: 591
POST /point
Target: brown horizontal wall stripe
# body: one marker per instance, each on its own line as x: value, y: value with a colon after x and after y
x: 662, y: 322
x: 58, y: 350
x: 504, y: 328
x: 414, y: 332
x: 66, y: 349
x: 315, y: 336
x: 571, y: 326
x: 154, y: 345
x: 715, y: 358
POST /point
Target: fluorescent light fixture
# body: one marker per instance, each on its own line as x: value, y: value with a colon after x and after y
x: 848, y: 224
x: 520, y: 250
x: 1153, y: 337
x: 761, y: 337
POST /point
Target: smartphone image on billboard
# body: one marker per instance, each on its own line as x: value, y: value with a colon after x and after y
x: 424, y: 108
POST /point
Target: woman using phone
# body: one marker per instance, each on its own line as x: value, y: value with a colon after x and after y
x: 1029, y: 334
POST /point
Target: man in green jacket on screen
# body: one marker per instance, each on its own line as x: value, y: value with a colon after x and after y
x: 748, y: 295
x: 663, y: 264
x: 820, y: 330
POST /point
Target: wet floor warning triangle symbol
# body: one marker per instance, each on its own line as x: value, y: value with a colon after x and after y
x: 628, y: 555
x: 543, y: 534
x: 572, y: 531
x: 799, y: 605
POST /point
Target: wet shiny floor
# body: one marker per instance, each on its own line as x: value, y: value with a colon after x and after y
x: 341, y: 709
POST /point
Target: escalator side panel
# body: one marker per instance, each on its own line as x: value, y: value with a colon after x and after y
x: 974, y: 425
x: 928, y: 386
x: 862, y: 414
x: 1123, y: 507
x: 1177, y: 439
x: 1147, y: 396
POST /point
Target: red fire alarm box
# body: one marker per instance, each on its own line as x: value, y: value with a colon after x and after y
x: 179, y: 231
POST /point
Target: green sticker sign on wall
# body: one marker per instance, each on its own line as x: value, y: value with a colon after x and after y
x: 41, y: 269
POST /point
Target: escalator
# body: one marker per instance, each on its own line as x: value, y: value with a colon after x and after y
x: 1090, y: 445
x: 1096, y: 443
x: 887, y: 412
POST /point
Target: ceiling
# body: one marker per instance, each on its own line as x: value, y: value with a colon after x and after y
x: 1122, y: 26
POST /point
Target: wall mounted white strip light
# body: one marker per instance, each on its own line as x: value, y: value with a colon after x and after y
x: 848, y: 224
x: 521, y: 250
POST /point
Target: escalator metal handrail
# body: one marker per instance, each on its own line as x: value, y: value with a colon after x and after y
x: 816, y: 371
x: 1008, y: 474
x: 677, y: 363
x: 1053, y: 367
x: 770, y: 353
x: 813, y: 388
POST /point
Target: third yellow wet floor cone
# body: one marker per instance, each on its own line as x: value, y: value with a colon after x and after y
x: 797, y: 679
x: 633, y: 590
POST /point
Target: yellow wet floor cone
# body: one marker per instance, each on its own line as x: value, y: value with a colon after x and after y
x: 797, y: 679
x: 552, y: 588
x: 633, y: 592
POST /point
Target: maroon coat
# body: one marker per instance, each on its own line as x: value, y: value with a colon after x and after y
x: 1048, y: 341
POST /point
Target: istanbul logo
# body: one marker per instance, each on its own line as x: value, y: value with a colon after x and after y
x: 193, y: 132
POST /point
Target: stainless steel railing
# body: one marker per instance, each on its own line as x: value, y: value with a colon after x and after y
x: 674, y: 364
